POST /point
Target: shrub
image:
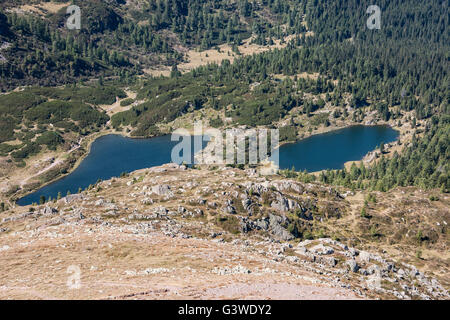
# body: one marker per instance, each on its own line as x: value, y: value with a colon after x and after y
x: 228, y: 223
x: 288, y: 133
x: 5, y: 149
x: 51, y: 139
x: 126, y: 102
x: 27, y: 151
x: 216, y: 123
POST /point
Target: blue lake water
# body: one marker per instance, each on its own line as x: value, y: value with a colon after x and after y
x: 113, y: 154
x: 332, y: 149
x: 110, y: 156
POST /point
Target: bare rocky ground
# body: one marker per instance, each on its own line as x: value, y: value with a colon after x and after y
x: 213, y: 233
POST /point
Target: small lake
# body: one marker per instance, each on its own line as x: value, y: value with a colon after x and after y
x: 113, y: 154
x: 333, y: 149
x: 110, y: 156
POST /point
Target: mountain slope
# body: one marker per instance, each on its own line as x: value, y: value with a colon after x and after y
x: 172, y: 232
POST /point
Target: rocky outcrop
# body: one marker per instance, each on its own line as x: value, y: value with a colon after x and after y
x: 353, y: 265
x: 270, y: 214
x: 320, y: 249
x: 49, y: 210
x: 284, y: 204
x: 248, y: 204
x: 162, y: 190
x: 276, y: 228
x: 372, y: 268
x: 74, y: 198
x: 229, y: 208
x: 274, y: 224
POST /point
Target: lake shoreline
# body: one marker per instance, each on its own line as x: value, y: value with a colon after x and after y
x: 87, y: 145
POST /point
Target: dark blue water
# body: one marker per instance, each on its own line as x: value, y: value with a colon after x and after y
x: 110, y: 156
x: 332, y: 149
x: 113, y: 154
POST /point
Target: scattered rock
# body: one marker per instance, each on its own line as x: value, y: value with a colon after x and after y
x: 277, y: 229
x: 49, y: 210
x: 322, y: 250
x: 74, y: 198
x: 162, y: 190
x: 353, y: 265
x: 234, y: 270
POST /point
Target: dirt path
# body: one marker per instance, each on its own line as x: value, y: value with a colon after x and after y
x: 55, y: 163
x: 356, y: 202
x: 116, y: 107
